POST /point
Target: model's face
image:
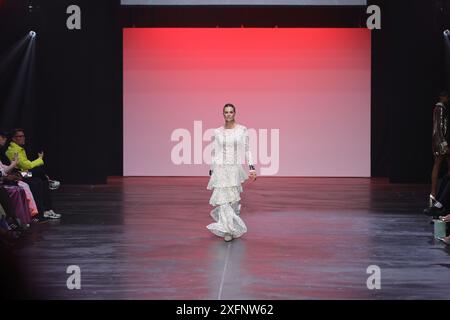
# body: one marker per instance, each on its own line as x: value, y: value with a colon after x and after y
x: 228, y: 114
x: 2, y: 141
x: 19, y: 138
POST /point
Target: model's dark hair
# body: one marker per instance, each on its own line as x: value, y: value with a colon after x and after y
x: 229, y: 105
x: 3, y: 134
x: 443, y: 94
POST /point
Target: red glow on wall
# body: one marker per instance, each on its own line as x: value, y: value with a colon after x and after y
x: 310, y: 85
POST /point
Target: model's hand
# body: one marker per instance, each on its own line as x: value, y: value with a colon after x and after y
x: 445, y: 218
x: 252, y: 175
x: 41, y: 154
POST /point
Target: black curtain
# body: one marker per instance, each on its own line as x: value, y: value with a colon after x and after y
x: 78, y: 91
x: 407, y: 74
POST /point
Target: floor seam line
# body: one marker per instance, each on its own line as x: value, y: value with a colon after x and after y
x: 224, y: 271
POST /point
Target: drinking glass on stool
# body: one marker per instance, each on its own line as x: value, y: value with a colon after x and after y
x: 440, y: 229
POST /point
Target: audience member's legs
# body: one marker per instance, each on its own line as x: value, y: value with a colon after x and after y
x: 445, y: 181
x: 19, y: 203
x: 6, y: 232
x: 444, y: 196
x: 30, y: 198
x: 47, y: 199
x: 37, y: 189
x: 6, y: 203
x: 39, y: 173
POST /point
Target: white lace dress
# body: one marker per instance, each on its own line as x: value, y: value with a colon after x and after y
x: 230, y: 150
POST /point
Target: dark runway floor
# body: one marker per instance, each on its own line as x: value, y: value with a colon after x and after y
x: 308, y: 238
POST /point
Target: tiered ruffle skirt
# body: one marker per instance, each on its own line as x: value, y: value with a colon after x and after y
x: 226, y: 183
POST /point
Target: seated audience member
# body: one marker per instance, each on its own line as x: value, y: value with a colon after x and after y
x: 7, y: 173
x: 16, y: 179
x: 20, y: 211
x: 37, y: 169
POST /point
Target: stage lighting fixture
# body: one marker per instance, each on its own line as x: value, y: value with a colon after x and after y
x: 447, y: 33
x: 32, y: 34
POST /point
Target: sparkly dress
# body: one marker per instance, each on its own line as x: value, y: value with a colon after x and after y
x: 230, y: 150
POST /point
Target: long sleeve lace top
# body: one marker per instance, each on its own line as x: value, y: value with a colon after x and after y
x: 231, y: 149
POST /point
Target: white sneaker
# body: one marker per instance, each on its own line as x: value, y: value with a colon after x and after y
x: 53, y: 184
x: 51, y: 214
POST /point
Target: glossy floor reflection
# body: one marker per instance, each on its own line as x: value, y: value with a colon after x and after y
x: 308, y: 238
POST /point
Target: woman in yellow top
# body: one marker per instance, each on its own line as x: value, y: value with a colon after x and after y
x: 24, y: 164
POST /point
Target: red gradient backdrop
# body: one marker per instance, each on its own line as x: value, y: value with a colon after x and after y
x: 306, y: 90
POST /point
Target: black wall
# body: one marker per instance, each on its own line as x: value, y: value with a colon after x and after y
x: 408, y: 73
x: 77, y: 116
